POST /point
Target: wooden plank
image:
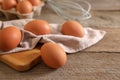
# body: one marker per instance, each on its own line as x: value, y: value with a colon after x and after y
x: 22, y: 61
x: 79, y: 66
x: 103, y: 19
x: 103, y: 4
x: 110, y: 43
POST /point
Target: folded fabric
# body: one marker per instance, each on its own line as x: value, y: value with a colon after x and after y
x: 70, y: 44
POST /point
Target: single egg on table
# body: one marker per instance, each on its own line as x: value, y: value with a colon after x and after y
x: 73, y: 28
x: 53, y: 55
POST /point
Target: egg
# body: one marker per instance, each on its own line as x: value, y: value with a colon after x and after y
x: 24, y: 7
x: 8, y: 4
x: 1, y: 1
x: 10, y: 38
x: 38, y: 27
x: 53, y: 55
x: 73, y: 28
x: 36, y: 2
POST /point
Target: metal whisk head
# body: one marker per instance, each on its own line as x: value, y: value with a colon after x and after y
x: 70, y: 10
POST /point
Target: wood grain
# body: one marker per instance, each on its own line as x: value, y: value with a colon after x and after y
x: 22, y: 61
x: 103, y: 4
x: 110, y: 43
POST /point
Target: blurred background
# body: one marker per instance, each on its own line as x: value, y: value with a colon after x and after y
x: 104, y: 4
x: 105, y: 13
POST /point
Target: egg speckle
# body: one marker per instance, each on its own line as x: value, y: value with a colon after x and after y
x: 53, y: 55
x: 73, y: 28
x: 10, y: 38
x: 24, y: 7
x: 38, y: 27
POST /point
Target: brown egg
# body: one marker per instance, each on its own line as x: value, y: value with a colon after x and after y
x: 53, y: 55
x: 38, y: 27
x: 73, y: 28
x: 36, y: 2
x: 24, y: 7
x: 10, y: 38
x: 1, y: 1
x: 8, y: 4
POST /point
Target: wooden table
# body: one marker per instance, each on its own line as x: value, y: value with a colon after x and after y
x: 99, y: 62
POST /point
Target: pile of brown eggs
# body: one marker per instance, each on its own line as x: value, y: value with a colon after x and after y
x: 21, y: 8
x: 51, y: 53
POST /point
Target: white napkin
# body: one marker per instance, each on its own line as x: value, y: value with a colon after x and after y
x: 70, y: 44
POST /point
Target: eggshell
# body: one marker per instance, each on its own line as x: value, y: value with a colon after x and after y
x: 38, y: 27
x: 53, y: 55
x: 73, y: 28
x: 1, y: 1
x: 24, y: 7
x: 10, y: 38
x: 8, y: 4
x: 36, y: 2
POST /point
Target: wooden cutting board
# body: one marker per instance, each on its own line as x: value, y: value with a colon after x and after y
x: 22, y: 61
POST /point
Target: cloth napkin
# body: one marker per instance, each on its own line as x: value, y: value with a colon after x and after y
x: 70, y: 44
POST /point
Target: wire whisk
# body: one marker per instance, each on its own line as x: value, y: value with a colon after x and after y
x: 70, y: 10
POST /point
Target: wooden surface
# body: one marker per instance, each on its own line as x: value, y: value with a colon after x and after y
x: 22, y: 61
x: 104, y: 4
x: 99, y: 62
